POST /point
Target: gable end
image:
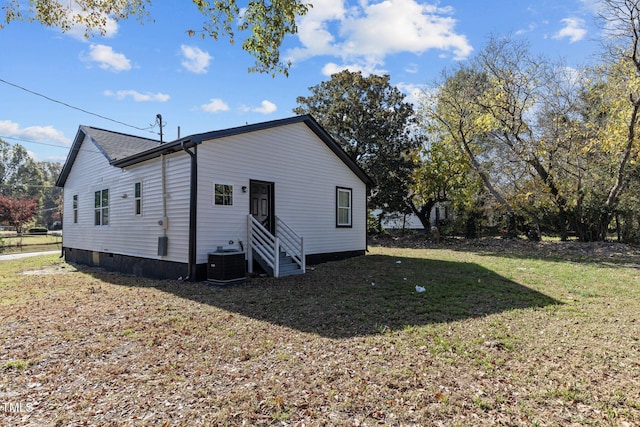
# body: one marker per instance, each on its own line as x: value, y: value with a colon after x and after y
x: 112, y: 145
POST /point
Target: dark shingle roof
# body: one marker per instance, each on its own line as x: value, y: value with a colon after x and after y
x: 116, y: 145
x: 113, y: 145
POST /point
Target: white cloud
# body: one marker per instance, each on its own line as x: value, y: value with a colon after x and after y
x: 529, y: 29
x: 195, y: 59
x: 79, y: 31
x: 137, y: 96
x: 411, y: 68
x: 367, y: 32
x: 266, y: 107
x: 107, y: 59
x: 33, y: 133
x: 574, y: 29
x: 404, y: 25
x: 414, y: 93
x: 54, y: 159
x: 366, y: 68
x: 313, y: 29
x: 215, y: 105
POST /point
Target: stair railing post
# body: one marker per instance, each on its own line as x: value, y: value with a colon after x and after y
x: 276, y: 260
x: 249, y: 248
x: 302, y: 257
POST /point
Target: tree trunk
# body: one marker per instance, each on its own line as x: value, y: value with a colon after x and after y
x: 423, y: 213
x: 614, y: 194
x: 485, y: 178
x: 471, y: 226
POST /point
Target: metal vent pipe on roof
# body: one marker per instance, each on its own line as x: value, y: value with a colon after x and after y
x: 159, y: 120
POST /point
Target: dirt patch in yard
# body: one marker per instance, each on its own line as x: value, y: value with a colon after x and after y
x: 61, y: 268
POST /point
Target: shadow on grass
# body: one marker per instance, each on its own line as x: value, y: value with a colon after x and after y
x: 360, y: 296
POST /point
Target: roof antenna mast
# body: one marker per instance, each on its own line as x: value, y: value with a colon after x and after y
x: 159, y: 121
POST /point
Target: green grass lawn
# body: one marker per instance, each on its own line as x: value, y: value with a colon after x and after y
x: 495, y: 339
x: 10, y: 244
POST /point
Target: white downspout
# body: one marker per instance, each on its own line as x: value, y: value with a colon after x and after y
x: 165, y: 218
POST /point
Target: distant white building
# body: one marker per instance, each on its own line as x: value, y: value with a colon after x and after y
x: 441, y: 211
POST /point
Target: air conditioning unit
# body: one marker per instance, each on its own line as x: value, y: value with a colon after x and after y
x: 226, y: 266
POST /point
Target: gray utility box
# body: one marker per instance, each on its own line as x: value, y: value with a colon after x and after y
x: 226, y: 266
x: 163, y: 245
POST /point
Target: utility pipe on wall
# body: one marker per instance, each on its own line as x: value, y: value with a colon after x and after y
x: 193, y: 205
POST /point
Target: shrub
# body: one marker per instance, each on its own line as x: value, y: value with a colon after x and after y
x: 38, y: 230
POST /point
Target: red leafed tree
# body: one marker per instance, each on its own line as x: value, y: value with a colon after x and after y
x: 18, y: 211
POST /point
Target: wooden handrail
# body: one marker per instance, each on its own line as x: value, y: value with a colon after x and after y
x: 269, y: 246
x: 292, y: 242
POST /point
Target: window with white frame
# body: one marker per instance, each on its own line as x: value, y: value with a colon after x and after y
x: 75, y: 208
x: 137, y: 197
x: 343, y: 207
x: 101, y: 205
x: 223, y: 194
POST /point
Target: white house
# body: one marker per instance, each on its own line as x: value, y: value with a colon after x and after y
x: 282, y: 192
x: 441, y: 211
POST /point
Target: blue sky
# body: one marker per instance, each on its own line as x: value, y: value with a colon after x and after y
x: 139, y: 70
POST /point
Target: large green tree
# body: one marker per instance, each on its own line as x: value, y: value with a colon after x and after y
x: 517, y: 118
x: 23, y: 178
x: 265, y: 23
x: 443, y: 176
x: 555, y: 147
x: 51, y: 201
x: 20, y: 175
x: 373, y: 123
x: 452, y: 114
x: 616, y: 91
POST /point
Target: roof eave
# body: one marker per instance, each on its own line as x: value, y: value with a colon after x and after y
x: 167, y: 148
x: 71, y: 157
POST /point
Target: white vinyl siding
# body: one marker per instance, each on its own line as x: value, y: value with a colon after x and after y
x: 305, y: 174
x: 101, y: 207
x: 137, y: 198
x: 75, y: 208
x: 127, y: 234
x: 343, y: 207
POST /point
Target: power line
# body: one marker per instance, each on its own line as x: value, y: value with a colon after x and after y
x: 75, y: 108
x: 28, y: 185
x: 34, y: 142
x: 2, y: 137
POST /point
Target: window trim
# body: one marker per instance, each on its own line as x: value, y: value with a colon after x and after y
x: 349, y: 208
x: 101, y: 211
x: 75, y: 208
x: 224, y: 197
x: 137, y: 198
